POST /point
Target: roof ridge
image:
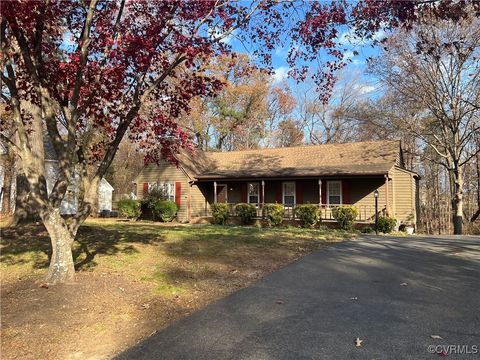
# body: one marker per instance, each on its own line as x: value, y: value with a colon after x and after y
x: 300, y: 146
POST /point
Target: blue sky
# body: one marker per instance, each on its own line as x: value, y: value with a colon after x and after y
x: 358, y: 65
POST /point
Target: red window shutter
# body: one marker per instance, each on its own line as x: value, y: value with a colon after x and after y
x: 145, y: 188
x: 178, y: 193
x: 324, y: 192
x: 299, y: 192
x: 244, y: 192
x: 346, y: 192
x: 278, y: 194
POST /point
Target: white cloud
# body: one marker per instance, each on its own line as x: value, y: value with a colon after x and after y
x: 364, y: 88
x: 227, y: 39
x: 350, y: 38
x: 281, y: 73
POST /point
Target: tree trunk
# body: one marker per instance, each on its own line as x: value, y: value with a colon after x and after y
x: 62, y: 268
x: 457, y: 201
x: 7, y: 188
x: 24, y: 211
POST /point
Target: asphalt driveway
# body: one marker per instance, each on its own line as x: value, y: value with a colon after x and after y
x: 393, y: 293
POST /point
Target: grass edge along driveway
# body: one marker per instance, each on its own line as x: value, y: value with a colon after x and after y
x: 132, y: 279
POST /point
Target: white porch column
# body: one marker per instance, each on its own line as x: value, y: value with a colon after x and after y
x: 386, y: 196
x: 263, y: 193
x: 214, y: 192
x: 320, y: 192
x: 320, y: 197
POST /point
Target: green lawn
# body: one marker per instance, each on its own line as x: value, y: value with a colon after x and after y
x: 129, y: 246
x: 133, y: 278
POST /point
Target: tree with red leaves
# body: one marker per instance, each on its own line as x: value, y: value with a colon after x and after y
x: 80, y: 74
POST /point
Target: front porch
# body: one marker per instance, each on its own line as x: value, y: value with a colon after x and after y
x: 326, y: 193
x: 366, y: 213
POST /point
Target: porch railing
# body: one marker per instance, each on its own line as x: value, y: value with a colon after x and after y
x: 366, y: 213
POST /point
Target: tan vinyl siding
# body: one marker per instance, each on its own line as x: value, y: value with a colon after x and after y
x: 402, y: 191
x: 362, y: 194
x: 165, y: 172
x: 405, y: 194
x: 198, y: 205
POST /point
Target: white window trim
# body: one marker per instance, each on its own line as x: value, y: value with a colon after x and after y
x: 294, y: 191
x: 328, y: 191
x: 151, y: 184
x: 258, y: 192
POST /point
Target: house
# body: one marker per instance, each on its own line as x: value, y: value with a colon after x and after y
x: 328, y: 175
x: 70, y: 201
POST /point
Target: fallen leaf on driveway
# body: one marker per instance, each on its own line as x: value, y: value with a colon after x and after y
x: 358, y: 342
x: 403, y: 284
x: 436, y: 337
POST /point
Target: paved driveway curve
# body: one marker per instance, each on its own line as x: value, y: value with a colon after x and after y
x: 316, y: 307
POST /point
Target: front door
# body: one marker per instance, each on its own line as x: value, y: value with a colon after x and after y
x: 222, y: 193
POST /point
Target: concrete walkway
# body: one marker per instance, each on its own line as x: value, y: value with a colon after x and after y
x: 393, y: 293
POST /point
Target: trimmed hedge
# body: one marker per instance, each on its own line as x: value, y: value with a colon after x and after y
x: 220, y: 213
x: 345, y: 215
x: 129, y: 208
x: 386, y: 224
x: 246, y: 212
x: 273, y: 214
x: 308, y: 214
x: 165, y: 210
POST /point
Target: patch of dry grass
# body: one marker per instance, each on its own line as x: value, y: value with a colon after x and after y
x: 132, y: 279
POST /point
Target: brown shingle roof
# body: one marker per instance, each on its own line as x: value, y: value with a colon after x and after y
x: 360, y: 158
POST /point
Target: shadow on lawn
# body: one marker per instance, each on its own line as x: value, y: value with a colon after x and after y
x: 227, y: 244
x: 31, y: 243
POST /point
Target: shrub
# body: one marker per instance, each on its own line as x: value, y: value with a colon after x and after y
x: 367, y: 230
x: 220, y: 213
x: 273, y: 214
x: 246, y: 212
x: 308, y: 214
x: 129, y: 208
x: 345, y: 216
x: 165, y: 210
x: 386, y: 224
x: 154, y: 195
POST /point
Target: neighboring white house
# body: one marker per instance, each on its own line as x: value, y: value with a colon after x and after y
x: 105, y: 195
x: 69, y: 204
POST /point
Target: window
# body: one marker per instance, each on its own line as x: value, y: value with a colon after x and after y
x: 253, y: 191
x: 289, y: 193
x: 168, y: 189
x: 334, y: 192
